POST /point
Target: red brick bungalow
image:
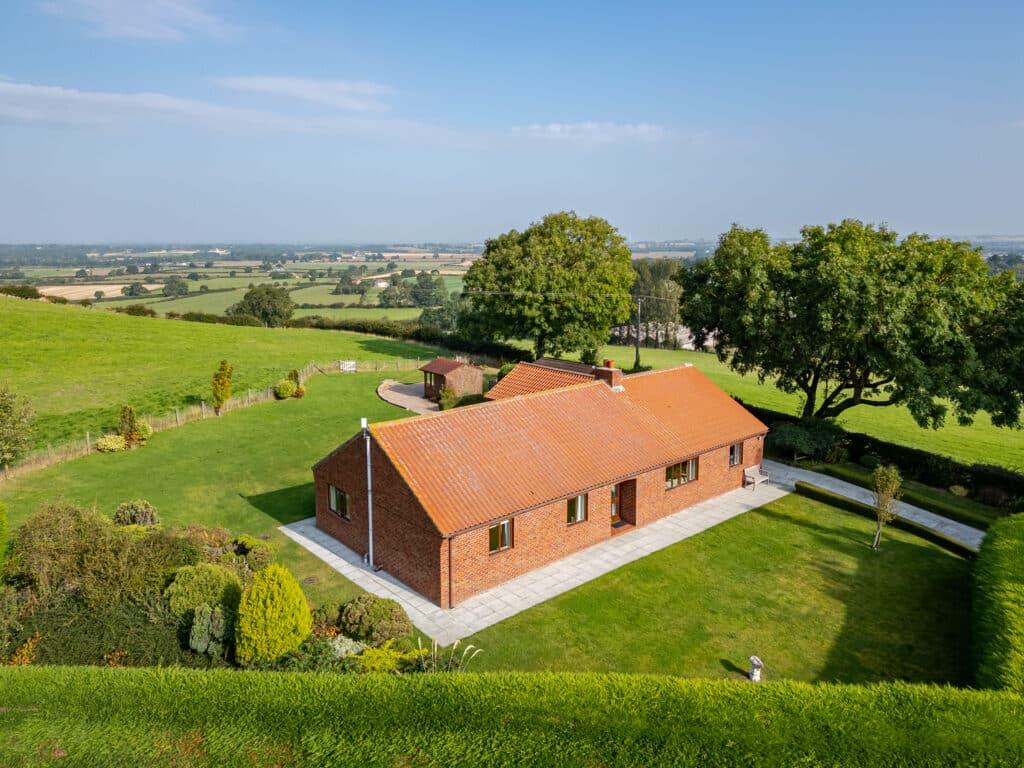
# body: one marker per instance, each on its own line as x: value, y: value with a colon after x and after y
x: 466, y: 499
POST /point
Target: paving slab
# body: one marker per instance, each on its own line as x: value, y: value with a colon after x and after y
x: 408, y: 396
x: 786, y: 476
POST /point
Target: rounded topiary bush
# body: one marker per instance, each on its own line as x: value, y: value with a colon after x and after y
x: 203, y: 584
x: 285, y: 388
x: 374, y: 620
x: 273, y: 617
x: 111, y: 444
x: 258, y: 554
x: 136, y: 512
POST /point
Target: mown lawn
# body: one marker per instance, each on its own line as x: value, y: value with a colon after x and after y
x: 248, y: 471
x: 78, y: 366
x: 794, y: 582
x: 980, y: 443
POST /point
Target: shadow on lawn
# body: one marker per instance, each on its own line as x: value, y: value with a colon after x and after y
x: 907, y: 607
x: 286, y: 505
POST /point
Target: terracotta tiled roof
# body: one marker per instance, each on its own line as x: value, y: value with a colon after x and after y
x: 476, y: 464
x: 442, y: 366
x: 527, y: 378
x: 686, y: 401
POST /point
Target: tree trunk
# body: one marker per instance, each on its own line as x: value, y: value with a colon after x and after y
x: 878, y: 537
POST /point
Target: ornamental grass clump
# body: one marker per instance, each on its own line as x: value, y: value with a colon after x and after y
x: 273, y: 617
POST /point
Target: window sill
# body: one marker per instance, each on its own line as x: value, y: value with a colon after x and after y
x: 578, y: 522
x: 499, y: 551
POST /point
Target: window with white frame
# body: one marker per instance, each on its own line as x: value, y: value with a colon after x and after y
x: 735, y: 454
x: 576, y: 509
x: 681, y: 473
x: 338, y: 502
x: 500, y: 536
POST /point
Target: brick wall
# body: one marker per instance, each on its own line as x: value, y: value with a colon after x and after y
x: 405, y: 542
x: 542, y: 535
x: 467, y: 380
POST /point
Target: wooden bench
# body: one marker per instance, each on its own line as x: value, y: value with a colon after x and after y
x: 754, y: 476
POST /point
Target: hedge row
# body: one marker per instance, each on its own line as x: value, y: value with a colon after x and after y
x: 141, y: 717
x: 923, y: 466
x: 209, y: 317
x: 999, y: 607
x: 413, y: 331
x: 865, y: 510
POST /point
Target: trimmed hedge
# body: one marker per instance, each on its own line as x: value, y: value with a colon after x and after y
x: 145, y: 717
x: 928, y: 468
x: 999, y: 607
x: 209, y: 317
x: 865, y: 510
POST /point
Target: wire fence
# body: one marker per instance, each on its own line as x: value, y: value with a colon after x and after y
x: 51, y: 455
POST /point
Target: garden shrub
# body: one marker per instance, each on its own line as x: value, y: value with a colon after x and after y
x: 132, y: 428
x: 136, y: 512
x: 205, y: 583
x: 258, y: 554
x: 470, y: 400
x: 958, y: 490
x: 811, y: 438
x: 870, y: 461
x: 284, y: 389
x: 3, y: 537
x: 300, y: 391
x: 387, y: 659
x: 447, y: 399
x: 375, y: 620
x: 136, y: 310
x: 111, y: 444
x: 221, y: 385
x: 211, y: 632
x: 273, y: 617
x: 67, y: 552
x: 999, y: 607
x: 15, y: 426
x: 10, y: 626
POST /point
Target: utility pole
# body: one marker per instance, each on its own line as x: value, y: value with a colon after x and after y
x: 636, y: 359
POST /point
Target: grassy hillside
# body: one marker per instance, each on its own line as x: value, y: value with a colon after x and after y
x: 248, y: 470
x: 158, y: 717
x: 980, y: 443
x: 795, y: 582
x: 78, y: 366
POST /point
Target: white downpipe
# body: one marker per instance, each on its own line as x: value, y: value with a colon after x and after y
x: 369, y: 493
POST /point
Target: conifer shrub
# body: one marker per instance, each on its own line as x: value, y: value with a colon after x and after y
x: 374, y: 620
x: 258, y: 554
x: 273, y: 617
x: 136, y: 512
x: 205, y: 583
x: 211, y: 632
x: 111, y: 444
x: 222, y: 385
x: 284, y: 389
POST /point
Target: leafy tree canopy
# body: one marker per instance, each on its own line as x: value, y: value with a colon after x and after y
x: 271, y: 305
x: 851, y: 315
x: 175, y: 286
x: 562, y: 282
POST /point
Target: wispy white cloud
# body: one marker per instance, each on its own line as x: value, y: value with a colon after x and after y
x: 353, y: 95
x: 593, y: 133
x: 143, y: 19
x: 27, y: 102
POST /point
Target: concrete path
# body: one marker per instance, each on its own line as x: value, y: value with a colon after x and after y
x: 512, y: 597
x: 408, y: 396
x: 785, y: 476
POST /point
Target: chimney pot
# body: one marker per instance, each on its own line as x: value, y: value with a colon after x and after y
x: 610, y: 375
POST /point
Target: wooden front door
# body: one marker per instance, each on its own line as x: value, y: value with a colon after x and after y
x: 624, y: 502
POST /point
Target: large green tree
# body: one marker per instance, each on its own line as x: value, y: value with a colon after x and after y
x: 851, y: 315
x: 271, y: 305
x: 562, y: 282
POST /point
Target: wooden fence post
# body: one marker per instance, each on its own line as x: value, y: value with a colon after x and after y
x: 202, y: 406
x: 88, y: 443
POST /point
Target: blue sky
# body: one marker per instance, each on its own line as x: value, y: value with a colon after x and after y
x: 246, y: 121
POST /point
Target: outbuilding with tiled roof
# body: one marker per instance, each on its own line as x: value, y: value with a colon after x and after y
x: 462, y: 378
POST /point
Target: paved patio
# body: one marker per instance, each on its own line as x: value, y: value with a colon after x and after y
x: 785, y: 476
x: 408, y: 396
x: 512, y: 597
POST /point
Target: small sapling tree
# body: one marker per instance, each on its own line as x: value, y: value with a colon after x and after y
x: 887, y: 484
x: 222, y: 385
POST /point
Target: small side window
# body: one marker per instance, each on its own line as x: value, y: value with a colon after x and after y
x: 500, y: 536
x: 338, y: 502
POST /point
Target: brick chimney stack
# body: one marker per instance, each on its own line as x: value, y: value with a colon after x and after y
x: 610, y: 375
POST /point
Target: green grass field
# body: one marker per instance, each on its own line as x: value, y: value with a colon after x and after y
x: 78, y: 366
x: 248, y: 470
x: 794, y: 582
x: 980, y: 443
